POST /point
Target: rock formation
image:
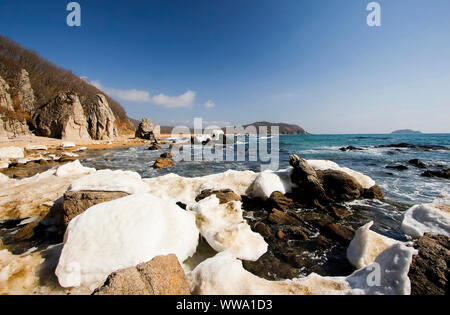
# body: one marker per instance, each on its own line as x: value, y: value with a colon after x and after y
x: 13, y: 127
x: 5, y: 97
x: 163, y: 163
x: 25, y: 93
x: 429, y: 273
x: 146, y: 130
x: 62, y: 118
x: 76, y: 202
x: 161, y: 276
x: 101, y: 119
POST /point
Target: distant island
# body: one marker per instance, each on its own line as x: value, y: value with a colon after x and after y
x: 405, y: 132
x: 285, y: 129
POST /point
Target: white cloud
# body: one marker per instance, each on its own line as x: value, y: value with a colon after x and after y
x: 137, y: 96
x: 185, y: 100
x: 210, y: 104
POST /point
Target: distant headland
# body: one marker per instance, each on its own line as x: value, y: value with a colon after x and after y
x: 406, y: 132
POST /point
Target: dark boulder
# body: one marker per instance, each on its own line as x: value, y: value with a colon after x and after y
x: 340, y: 186
x: 417, y: 163
x: 279, y: 201
x: 397, y: 167
x: 439, y: 174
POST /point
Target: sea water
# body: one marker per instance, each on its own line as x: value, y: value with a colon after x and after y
x: 402, y: 188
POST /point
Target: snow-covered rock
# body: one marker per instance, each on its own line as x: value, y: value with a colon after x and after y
x: 107, y: 180
x: 322, y: 165
x: 366, y: 246
x: 268, y: 182
x: 185, y: 189
x: 124, y: 233
x: 224, y: 228
x: 8, y: 153
x: 225, y: 275
x: 73, y: 168
x: 426, y: 218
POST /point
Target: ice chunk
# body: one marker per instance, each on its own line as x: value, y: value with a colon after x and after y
x: 107, y: 180
x: 366, y: 246
x: 73, y: 168
x: 36, y: 147
x: 68, y: 145
x: 225, y: 275
x: 268, y: 182
x: 3, y: 178
x: 224, y: 228
x: 364, y: 180
x: 426, y: 218
x: 124, y: 233
x: 8, y: 153
x: 185, y: 189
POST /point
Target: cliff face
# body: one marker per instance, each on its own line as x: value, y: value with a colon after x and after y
x: 30, y: 87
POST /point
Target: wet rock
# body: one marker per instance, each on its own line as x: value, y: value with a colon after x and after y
x: 62, y: 118
x: 340, y: 186
x: 309, y: 188
x: 280, y: 234
x: 340, y: 232
x: 374, y: 192
x: 167, y: 155
x: 413, y: 146
x: 339, y: 212
x: 282, y: 218
x: 224, y: 195
x: 262, y: 229
x: 417, y: 163
x: 279, y: 201
x: 161, y: 276
x: 155, y: 147
x: 397, y: 167
x: 271, y: 268
x: 429, y: 272
x: 351, y: 148
x: 77, y: 202
x: 164, y: 163
x: 439, y: 174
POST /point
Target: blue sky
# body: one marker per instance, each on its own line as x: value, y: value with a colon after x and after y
x: 315, y: 63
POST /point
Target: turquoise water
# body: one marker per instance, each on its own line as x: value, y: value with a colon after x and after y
x: 406, y: 187
x: 403, y: 188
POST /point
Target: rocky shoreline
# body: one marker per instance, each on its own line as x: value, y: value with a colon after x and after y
x: 243, y: 233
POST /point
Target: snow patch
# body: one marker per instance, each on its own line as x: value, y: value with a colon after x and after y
x: 8, y: 153
x: 366, y: 246
x: 73, y: 168
x: 425, y: 218
x: 225, y: 275
x: 268, y: 182
x: 224, y: 228
x: 124, y: 233
x: 107, y: 180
